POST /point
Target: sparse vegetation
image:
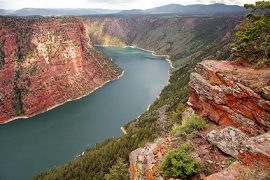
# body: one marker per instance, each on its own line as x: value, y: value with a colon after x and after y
x: 194, y: 123
x: 179, y: 164
x: 18, y: 106
x: 33, y: 70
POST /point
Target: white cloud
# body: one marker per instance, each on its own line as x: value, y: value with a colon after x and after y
x: 107, y: 4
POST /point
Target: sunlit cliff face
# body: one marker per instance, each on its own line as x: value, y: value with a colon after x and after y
x: 46, y: 62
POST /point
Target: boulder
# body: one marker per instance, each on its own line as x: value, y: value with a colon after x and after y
x: 249, y: 151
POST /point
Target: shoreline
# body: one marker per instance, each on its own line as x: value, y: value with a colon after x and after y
x: 52, y: 107
x: 153, y: 53
x: 168, y: 81
x: 150, y: 51
x: 147, y: 109
x: 123, y: 130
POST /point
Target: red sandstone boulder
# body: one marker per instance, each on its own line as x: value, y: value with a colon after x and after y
x: 232, y: 95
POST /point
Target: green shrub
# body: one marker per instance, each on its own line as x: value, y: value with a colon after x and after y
x: 195, y: 122
x: 179, y: 164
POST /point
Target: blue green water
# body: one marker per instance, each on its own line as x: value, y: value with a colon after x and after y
x: 30, y: 146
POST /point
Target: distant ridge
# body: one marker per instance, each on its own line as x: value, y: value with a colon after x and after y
x: 196, y: 9
x: 56, y: 12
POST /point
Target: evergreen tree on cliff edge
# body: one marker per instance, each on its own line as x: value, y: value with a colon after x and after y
x: 254, y: 35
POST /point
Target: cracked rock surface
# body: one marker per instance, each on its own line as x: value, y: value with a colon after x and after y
x: 232, y: 95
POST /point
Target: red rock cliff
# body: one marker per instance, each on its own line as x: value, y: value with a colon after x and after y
x: 45, y: 62
x: 232, y: 95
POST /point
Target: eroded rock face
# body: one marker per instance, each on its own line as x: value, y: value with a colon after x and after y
x: 144, y: 160
x: 249, y: 151
x: 45, y: 62
x: 232, y: 95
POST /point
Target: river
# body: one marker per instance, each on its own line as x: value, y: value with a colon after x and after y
x: 29, y: 146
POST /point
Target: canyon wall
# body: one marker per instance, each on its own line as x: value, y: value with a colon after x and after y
x: 45, y: 62
x: 184, y: 39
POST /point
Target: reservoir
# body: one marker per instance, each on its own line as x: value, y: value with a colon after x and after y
x: 30, y: 146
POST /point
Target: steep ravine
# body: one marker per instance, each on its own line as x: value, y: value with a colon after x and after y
x: 46, y: 62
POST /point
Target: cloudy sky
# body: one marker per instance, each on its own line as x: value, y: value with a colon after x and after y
x: 108, y: 4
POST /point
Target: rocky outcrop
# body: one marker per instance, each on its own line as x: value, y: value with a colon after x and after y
x: 231, y: 173
x: 215, y: 148
x: 143, y: 161
x: 238, y: 171
x: 236, y: 97
x: 45, y: 62
x: 252, y: 154
x: 232, y: 95
x: 249, y: 151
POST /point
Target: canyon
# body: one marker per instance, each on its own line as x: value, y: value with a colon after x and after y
x: 46, y: 62
x: 235, y: 96
x: 232, y: 97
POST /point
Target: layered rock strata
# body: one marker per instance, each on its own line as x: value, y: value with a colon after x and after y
x: 45, y: 62
x: 232, y: 95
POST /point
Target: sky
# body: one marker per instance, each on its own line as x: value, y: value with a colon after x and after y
x: 109, y: 4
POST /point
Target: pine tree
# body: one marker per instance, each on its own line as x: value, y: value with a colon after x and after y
x: 254, y: 35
